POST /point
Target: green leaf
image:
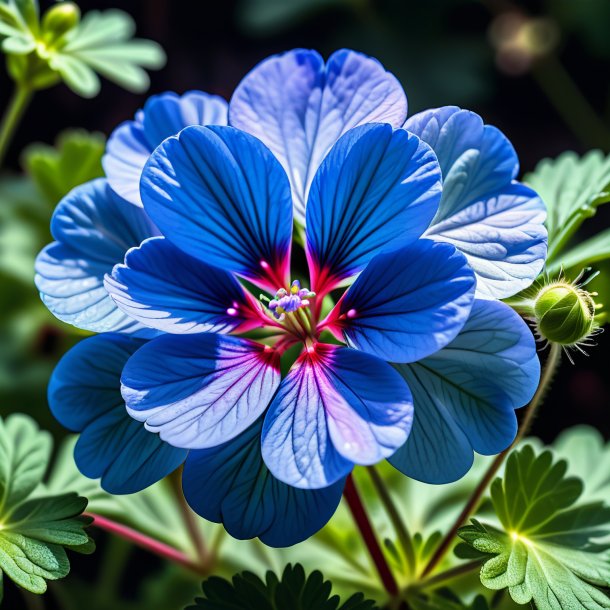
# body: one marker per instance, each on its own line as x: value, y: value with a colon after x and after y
x: 75, y: 158
x: 103, y: 43
x: 293, y: 590
x: 588, y: 457
x: 35, y: 528
x: 18, y: 24
x: 572, y: 187
x: 24, y: 454
x: 584, y: 254
x: 548, y: 549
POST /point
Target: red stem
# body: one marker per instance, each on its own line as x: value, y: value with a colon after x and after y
x: 350, y: 493
x: 146, y: 542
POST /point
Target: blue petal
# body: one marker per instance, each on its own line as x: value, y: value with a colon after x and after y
x: 496, y: 222
x: 378, y: 188
x: 94, y: 228
x: 465, y: 395
x: 230, y: 484
x: 166, y: 289
x: 85, y: 396
x: 199, y: 391
x: 409, y: 303
x: 164, y: 115
x: 300, y: 107
x: 219, y: 195
x: 337, y: 407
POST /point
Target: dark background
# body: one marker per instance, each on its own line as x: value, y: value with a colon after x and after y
x: 548, y: 96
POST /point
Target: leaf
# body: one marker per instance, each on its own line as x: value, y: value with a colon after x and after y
x: 18, y: 20
x: 572, y: 188
x: 24, y: 454
x: 584, y: 254
x: 103, y: 43
x: 75, y: 158
x: 293, y: 590
x: 588, y: 457
x: 548, y: 549
x: 35, y: 528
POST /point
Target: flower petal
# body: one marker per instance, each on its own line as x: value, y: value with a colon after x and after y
x: 496, y: 222
x: 199, y: 391
x: 85, y: 396
x: 230, y: 484
x: 164, y: 115
x: 378, y: 188
x: 219, y: 195
x: 465, y: 395
x: 337, y: 407
x: 162, y: 287
x: 407, y: 304
x: 299, y: 107
x: 94, y: 228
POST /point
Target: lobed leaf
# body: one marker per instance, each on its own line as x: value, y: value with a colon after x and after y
x: 35, y: 528
x: 572, y: 188
x: 549, y: 549
x: 293, y: 590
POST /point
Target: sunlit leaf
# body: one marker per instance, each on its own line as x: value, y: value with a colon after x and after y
x: 572, y: 188
x: 548, y: 549
x: 102, y: 43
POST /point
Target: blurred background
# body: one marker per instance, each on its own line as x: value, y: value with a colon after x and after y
x: 537, y: 70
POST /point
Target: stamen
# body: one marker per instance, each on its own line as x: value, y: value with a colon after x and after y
x: 288, y: 301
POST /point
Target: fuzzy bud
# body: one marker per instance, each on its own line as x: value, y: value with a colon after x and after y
x: 564, y: 313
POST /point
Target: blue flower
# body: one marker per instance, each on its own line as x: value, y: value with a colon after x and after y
x: 264, y: 455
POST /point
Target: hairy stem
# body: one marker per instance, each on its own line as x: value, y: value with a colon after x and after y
x: 12, y: 116
x: 146, y: 542
x: 350, y: 493
x: 550, y: 368
x: 402, y: 532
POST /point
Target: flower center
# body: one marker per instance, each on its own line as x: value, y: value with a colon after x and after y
x: 290, y: 301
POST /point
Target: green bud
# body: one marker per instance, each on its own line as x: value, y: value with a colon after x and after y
x: 564, y: 313
x: 58, y: 20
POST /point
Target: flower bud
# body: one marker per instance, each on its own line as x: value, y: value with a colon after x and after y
x: 564, y: 313
x: 59, y: 19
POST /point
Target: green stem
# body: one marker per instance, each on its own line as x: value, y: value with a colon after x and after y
x: 116, y: 555
x: 547, y: 376
x: 402, y: 532
x: 12, y: 116
x: 442, y: 578
x: 190, y: 521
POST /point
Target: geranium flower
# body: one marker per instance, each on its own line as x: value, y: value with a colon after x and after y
x: 224, y: 205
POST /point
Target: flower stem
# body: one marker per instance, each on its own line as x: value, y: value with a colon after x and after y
x: 550, y: 368
x: 350, y: 493
x: 146, y: 542
x: 402, y: 533
x: 18, y: 103
x: 434, y: 582
x: 190, y: 520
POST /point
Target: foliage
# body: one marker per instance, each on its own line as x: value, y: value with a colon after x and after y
x: 75, y: 158
x: 572, y: 188
x: 36, y: 528
x: 548, y: 549
x: 61, y: 46
x: 293, y: 590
